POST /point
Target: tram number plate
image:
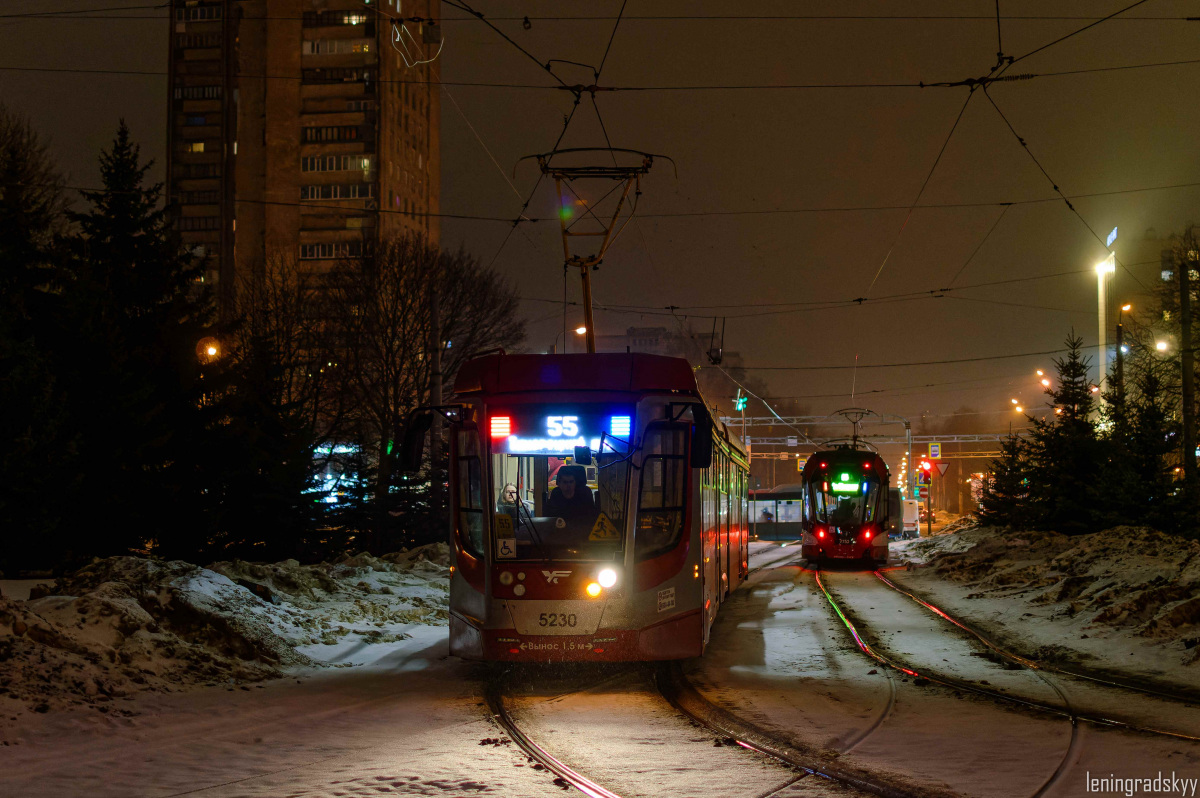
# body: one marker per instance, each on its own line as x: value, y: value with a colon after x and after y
x: 557, y: 619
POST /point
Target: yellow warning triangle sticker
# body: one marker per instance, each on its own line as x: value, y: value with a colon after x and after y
x: 604, y: 530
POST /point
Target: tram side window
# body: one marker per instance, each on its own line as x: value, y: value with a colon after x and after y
x: 873, y: 503
x: 470, y: 494
x: 662, y: 490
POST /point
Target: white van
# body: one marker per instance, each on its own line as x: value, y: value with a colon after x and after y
x: 910, y: 520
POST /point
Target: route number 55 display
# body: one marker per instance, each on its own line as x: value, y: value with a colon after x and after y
x: 559, y: 426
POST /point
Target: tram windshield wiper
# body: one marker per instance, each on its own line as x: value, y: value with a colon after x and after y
x: 536, y: 539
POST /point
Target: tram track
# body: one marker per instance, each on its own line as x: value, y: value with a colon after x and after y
x: 1176, y: 696
x: 686, y: 699
x: 1070, y: 752
x: 892, y: 661
x: 494, y: 696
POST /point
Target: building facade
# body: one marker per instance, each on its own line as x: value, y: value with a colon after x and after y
x: 301, y: 129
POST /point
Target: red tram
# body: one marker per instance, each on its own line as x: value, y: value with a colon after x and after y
x: 845, y: 510
x: 598, y: 510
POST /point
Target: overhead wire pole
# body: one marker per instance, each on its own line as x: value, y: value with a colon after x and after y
x: 562, y: 176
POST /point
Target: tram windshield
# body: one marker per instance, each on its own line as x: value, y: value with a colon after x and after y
x: 558, y: 509
x: 848, y: 500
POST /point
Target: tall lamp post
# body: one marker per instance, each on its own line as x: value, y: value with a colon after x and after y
x: 1103, y: 269
x: 580, y: 330
x: 1120, y: 351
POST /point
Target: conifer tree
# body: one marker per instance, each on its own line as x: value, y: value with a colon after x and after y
x: 38, y: 444
x: 1065, y: 452
x: 137, y: 399
x: 1004, y: 500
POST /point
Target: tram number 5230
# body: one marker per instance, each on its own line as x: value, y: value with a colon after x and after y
x: 560, y: 426
x: 557, y: 619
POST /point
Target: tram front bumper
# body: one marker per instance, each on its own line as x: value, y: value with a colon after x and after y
x: 678, y: 637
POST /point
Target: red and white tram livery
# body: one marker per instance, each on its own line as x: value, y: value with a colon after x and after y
x: 598, y: 512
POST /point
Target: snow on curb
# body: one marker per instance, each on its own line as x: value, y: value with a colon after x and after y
x: 125, y: 624
x: 1128, y: 590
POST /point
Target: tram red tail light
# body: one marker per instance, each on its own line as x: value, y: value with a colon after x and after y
x: 821, y: 532
x: 501, y: 426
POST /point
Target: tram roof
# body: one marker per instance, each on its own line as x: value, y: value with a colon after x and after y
x: 594, y: 371
x: 579, y: 372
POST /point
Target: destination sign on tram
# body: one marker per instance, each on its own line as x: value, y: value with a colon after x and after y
x: 559, y: 429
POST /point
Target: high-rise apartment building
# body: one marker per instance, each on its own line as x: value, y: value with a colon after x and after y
x: 301, y: 128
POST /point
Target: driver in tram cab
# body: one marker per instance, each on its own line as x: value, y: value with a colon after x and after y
x: 843, y: 513
x: 572, y: 498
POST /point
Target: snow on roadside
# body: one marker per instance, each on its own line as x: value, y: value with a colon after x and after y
x: 126, y: 624
x: 1126, y: 598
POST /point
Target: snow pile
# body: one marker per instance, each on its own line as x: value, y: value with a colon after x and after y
x: 1129, y: 579
x: 124, y: 624
x: 359, y: 599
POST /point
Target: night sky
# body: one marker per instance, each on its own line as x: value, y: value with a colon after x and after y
x: 726, y: 229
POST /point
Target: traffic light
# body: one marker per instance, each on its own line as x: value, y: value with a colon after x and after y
x: 739, y: 404
x: 926, y: 465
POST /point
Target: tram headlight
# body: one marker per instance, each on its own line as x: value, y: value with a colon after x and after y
x: 607, y: 577
x: 593, y: 589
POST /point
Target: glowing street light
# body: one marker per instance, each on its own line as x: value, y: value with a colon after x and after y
x: 1014, y: 401
x: 208, y: 349
x: 1126, y: 308
x: 580, y: 330
x: 1045, y: 382
x: 1020, y: 409
x: 1161, y: 346
x: 1041, y: 373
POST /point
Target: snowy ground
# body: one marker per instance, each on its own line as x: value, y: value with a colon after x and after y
x: 125, y: 625
x: 1125, y: 600
x: 360, y: 698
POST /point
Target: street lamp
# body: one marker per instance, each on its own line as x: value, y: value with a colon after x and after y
x: 1161, y: 346
x: 208, y: 349
x: 1121, y: 350
x: 1103, y: 269
x: 580, y: 330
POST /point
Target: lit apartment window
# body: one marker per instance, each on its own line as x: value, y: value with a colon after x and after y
x: 336, y: 163
x: 194, y: 146
x: 333, y: 192
x: 331, y: 18
x: 197, y: 92
x: 329, y: 250
x: 331, y: 133
x: 197, y: 13
x: 337, y: 75
x: 336, y: 46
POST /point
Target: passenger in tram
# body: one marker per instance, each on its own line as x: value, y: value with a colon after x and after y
x: 508, y: 503
x: 572, y: 498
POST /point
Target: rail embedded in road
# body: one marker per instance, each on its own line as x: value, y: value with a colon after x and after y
x: 680, y: 693
x: 495, y: 701
x: 891, y: 661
